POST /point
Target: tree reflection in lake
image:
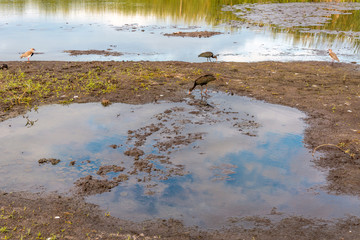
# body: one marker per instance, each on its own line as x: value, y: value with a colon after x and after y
x: 141, y: 24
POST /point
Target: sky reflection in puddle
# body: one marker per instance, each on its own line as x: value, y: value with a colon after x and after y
x: 250, y: 159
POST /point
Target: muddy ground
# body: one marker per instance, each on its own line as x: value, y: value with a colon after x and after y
x: 328, y: 94
x: 204, y: 34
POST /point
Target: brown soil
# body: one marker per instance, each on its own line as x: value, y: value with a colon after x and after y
x: 328, y: 94
x: 93, y: 52
x: 198, y: 34
x: 53, y: 161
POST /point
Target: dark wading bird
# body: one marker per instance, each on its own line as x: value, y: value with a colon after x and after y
x: 203, y: 80
x: 28, y: 54
x: 208, y: 55
x: 333, y: 56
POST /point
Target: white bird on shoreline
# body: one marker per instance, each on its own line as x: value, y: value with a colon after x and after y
x: 28, y: 54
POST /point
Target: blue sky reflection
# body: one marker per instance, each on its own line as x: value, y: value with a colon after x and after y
x: 248, y: 161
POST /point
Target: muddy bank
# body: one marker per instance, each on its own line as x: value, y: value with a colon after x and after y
x: 40, y: 216
x: 329, y: 94
x: 199, y: 34
x: 93, y: 52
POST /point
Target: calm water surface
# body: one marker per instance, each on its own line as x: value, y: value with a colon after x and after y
x: 250, y: 159
x: 137, y: 28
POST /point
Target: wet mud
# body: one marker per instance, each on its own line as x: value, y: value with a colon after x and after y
x: 64, y: 217
x: 93, y: 52
x: 53, y: 161
x: 199, y: 34
x: 328, y: 94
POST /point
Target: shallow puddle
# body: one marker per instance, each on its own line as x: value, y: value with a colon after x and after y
x: 203, y: 162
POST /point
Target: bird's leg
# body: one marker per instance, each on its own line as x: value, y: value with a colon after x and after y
x: 206, y: 90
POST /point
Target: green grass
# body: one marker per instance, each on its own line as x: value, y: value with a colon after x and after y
x: 18, y: 88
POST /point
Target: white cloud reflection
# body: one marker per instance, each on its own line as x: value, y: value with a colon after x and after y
x: 271, y: 169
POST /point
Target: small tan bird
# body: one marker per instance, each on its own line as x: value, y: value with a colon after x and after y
x: 333, y: 56
x: 28, y: 54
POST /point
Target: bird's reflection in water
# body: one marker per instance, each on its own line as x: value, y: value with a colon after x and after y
x: 202, y: 102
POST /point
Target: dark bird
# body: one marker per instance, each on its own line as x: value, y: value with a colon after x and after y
x: 208, y: 55
x: 203, y: 80
x: 4, y: 66
x: 333, y: 56
x: 28, y: 54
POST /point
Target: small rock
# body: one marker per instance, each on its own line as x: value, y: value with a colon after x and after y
x: 4, y: 66
x: 105, y: 102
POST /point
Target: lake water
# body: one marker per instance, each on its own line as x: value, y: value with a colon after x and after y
x: 249, y: 160
x: 137, y: 28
